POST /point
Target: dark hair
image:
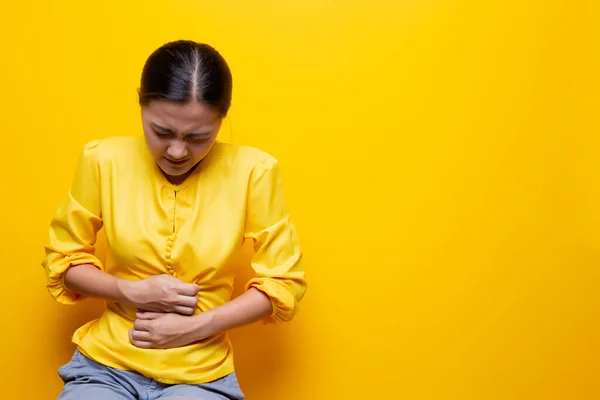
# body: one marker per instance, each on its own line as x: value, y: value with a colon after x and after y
x: 184, y: 70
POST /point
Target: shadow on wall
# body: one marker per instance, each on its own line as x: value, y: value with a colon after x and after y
x: 260, y: 355
x: 260, y: 351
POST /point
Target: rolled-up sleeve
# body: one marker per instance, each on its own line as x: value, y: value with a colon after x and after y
x: 74, y: 227
x: 278, y: 258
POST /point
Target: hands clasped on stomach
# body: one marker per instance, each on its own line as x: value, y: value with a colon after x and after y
x: 166, y: 305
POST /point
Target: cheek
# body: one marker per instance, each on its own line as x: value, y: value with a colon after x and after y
x: 155, y: 145
x: 201, y: 150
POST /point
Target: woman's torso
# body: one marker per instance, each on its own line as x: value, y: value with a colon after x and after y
x: 192, y: 231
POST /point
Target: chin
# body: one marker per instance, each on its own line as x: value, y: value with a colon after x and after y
x: 173, y: 171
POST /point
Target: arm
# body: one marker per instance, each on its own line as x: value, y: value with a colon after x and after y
x: 74, y: 227
x: 89, y: 281
x: 162, y: 293
x: 160, y: 330
x: 278, y: 257
x: 252, y: 306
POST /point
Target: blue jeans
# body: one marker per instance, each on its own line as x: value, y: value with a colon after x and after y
x: 89, y: 380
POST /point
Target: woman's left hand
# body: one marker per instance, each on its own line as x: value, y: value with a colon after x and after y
x: 153, y: 330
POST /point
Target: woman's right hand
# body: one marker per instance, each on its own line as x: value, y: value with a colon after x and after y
x: 160, y: 293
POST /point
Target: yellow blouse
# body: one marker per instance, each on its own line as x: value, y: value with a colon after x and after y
x: 191, y: 231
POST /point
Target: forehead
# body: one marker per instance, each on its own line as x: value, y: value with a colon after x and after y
x: 180, y: 117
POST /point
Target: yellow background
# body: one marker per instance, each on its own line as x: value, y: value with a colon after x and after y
x: 441, y: 164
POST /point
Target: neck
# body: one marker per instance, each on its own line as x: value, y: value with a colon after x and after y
x: 178, y: 180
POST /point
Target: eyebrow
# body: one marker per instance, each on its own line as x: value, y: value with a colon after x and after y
x: 160, y: 128
x: 170, y: 131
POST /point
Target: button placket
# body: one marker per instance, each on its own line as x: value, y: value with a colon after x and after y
x: 171, y: 239
x: 168, y: 259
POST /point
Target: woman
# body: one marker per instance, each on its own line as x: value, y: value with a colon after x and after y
x: 176, y: 206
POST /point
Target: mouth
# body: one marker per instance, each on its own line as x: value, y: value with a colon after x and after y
x: 177, y: 163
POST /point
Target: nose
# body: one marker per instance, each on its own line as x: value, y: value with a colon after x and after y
x: 177, y: 150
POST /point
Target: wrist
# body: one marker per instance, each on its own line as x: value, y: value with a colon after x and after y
x: 123, y: 290
x: 203, y: 325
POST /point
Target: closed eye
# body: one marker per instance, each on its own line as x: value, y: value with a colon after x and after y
x: 161, y: 133
x: 198, y: 138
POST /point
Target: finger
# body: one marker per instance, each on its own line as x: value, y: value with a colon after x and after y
x: 142, y: 344
x: 185, y: 310
x: 188, y: 301
x: 142, y: 324
x: 143, y: 336
x: 188, y: 289
x: 148, y: 315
